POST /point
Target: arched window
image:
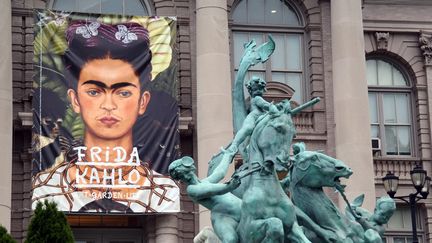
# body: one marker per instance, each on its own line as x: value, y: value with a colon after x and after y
x: 253, y: 19
x: 390, y: 107
x: 125, y: 7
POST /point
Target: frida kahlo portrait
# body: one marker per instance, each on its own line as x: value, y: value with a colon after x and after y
x: 105, y: 113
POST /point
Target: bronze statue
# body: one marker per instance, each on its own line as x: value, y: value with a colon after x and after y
x: 253, y: 206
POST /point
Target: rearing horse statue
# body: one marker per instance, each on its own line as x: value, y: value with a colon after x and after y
x: 268, y: 215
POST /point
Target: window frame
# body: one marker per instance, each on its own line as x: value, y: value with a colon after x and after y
x: 150, y: 11
x: 380, y: 91
x: 277, y: 29
x: 391, y: 233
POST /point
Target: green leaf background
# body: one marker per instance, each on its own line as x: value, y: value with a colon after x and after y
x: 49, y: 46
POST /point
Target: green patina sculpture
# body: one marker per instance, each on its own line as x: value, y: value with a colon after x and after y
x: 253, y: 206
x: 373, y: 224
x: 225, y: 207
x: 311, y: 171
x: 267, y: 214
x: 259, y: 106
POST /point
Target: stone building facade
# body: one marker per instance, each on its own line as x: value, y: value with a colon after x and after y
x: 369, y: 61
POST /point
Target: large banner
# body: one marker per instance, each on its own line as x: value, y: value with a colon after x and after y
x: 105, y: 112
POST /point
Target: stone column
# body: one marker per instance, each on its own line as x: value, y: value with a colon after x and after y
x: 6, y: 113
x: 214, y: 117
x: 352, y: 125
x: 166, y: 229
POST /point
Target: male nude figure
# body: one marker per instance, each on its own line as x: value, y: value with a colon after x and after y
x: 217, y: 197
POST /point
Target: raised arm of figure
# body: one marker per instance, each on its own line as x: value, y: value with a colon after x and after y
x: 250, y: 57
x: 264, y: 105
x: 206, y: 190
x: 221, y: 169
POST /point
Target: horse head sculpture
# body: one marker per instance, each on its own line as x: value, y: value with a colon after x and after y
x: 310, y: 172
x: 316, y: 170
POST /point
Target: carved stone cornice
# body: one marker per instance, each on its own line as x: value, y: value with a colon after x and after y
x: 425, y: 40
x: 382, y: 39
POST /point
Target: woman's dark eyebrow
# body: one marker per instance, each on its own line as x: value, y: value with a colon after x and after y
x: 121, y: 85
x: 104, y: 86
x: 97, y: 83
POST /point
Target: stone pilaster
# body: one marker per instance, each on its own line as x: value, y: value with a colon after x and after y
x: 6, y: 113
x: 425, y: 43
x: 352, y: 125
x: 214, y: 117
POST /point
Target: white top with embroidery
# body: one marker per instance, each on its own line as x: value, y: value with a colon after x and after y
x: 162, y: 196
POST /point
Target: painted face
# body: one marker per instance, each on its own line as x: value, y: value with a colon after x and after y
x: 108, y: 98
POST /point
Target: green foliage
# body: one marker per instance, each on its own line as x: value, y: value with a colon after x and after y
x: 49, y: 44
x: 49, y: 74
x: 48, y: 225
x: 50, y: 39
x: 5, y: 237
x: 113, y: 18
x: 73, y: 123
x: 165, y: 81
x: 49, y: 78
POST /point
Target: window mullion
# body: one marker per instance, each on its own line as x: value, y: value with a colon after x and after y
x: 381, y: 128
x: 376, y: 68
x: 268, y: 66
x: 397, y: 140
x: 267, y: 29
x: 396, y: 117
x: 124, y: 7
x: 286, y: 70
x: 247, y: 7
x: 268, y: 71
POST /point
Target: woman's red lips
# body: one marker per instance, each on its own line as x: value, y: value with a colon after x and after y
x: 108, y: 120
